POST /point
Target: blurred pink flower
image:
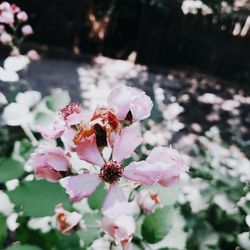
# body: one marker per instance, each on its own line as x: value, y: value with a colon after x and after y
x: 22, y: 16
x: 7, y: 17
x: 33, y: 55
x: 119, y: 223
x: 49, y: 163
x: 163, y: 166
x: 2, y: 29
x: 5, y: 38
x: 148, y: 200
x: 27, y: 30
x: 66, y: 221
x: 130, y: 104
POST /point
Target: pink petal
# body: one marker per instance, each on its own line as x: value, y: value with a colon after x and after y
x: 126, y: 143
x: 143, y: 172
x: 114, y: 194
x: 48, y: 174
x: 166, y: 182
x: 57, y: 160
x: 80, y: 186
x: 141, y: 107
x: 87, y: 150
x: 119, y: 99
x: 77, y: 118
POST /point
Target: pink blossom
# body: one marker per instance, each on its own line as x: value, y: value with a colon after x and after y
x: 27, y: 30
x: 163, y: 166
x: 7, y: 17
x: 22, y: 16
x: 2, y: 29
x: 49, y: 163
x: 148, y: 200
x: 118, y: 222
x: 81, y: 186
x: 130, y: 104
x: 33, y: 55
x: 6, y: 38
x: 66, y: 221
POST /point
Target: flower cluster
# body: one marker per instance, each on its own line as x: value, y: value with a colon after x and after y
x: 113, y: 128
x: 13, y: 25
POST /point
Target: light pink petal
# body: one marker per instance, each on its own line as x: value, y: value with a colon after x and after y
x: 119, y: 99
x: 166, y: 182
x: 80, y: 186
x: 143, y: 173
x: 77, y: 118
x: 168, y: 155
x: 115, y: 194
x: 57, y: 160
x: 87, y: 150
x: 48, y: 174
x: 141, y: 107
x: 125, y: 144
x: 49, y: 133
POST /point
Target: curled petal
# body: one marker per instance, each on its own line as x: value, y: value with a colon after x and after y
x: 80, y: 186
x: 125, y: 143
x: 87, y: 150
x: 143, y: 172
x: 115, y: 194
x: 48, y: 174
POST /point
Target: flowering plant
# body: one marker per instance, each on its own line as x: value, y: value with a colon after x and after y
x: 102, y: 142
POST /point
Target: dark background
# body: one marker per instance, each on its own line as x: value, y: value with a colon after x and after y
x: 156, y: 29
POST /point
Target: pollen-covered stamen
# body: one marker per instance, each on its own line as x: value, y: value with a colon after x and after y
x: 69, y: 110
x: 111, y: 172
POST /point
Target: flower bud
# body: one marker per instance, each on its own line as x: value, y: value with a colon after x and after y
x: 148, y: 201
x: 66, y: 221
x: 6, y: 39
x: 22, y: 16
x: 27, y: 30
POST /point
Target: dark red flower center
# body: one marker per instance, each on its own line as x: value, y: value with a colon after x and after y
x: 111, y: 172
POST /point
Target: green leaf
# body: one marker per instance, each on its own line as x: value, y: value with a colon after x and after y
x: 89, y: 234
x: 58, y: 100
x: 23, y: 247
x: 157, y: 225
x: 3, y: 229
x: 43, y: 119
x: 10, y: 169
x: 96, y: 200
x: 39, y: 198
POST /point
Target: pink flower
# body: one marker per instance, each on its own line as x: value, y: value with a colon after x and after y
x: 130, y: 104
x: 2, y: 29
x: 83, y: 185
x: 6, y: 38
x: 66, y: 222
x: 33, y: 55
x: 22, y: 16
x: 118, y: 222
x: 7, y: 17
x: 163, y: 166
x: 148, y: 201
x: 49, y: 163
x: 27, y: 30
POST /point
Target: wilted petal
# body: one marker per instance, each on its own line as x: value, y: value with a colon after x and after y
x: 125, y: 143
x: 115, y: 194
x: 87, y: 150
x: 143, y: 172
x: 48, y: 174
x: 80, y: 186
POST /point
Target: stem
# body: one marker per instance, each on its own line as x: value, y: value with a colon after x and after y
x: 29, y: 134
x: 132, y: 192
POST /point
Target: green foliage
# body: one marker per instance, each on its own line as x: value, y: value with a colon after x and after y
x: 96, y: 200
x: 39, y: 198
x: 157, y: 225
x: 57, y: 100
x: 89, y: 234
x: 23, y: 247
x: 10, y: 169
x: 3, y: 229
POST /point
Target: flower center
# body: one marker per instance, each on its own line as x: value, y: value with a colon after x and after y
x: 69, y: 110
x: 111, y: 172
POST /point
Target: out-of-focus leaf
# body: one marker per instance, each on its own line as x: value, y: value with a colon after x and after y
x: 23, y: 247
x: 90, y: 234
x: 69, y: 242
x: 157, y: 225
x: 58, y: 100
x: 96, y: 200
x: 10, y: 169
x: 3, y: 229
x: 39, y: 198
x: 43, y: 119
